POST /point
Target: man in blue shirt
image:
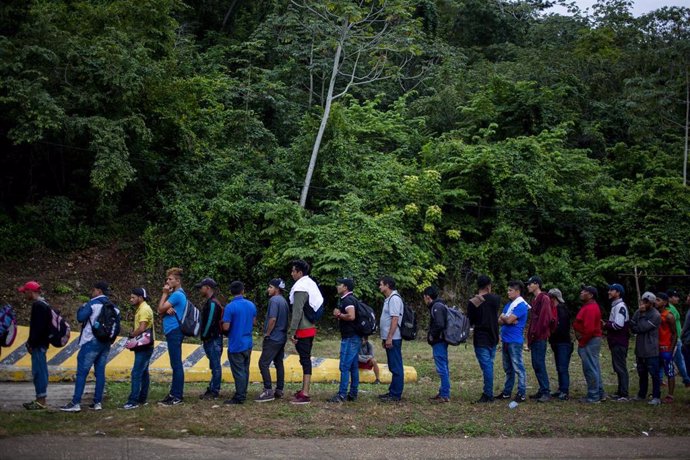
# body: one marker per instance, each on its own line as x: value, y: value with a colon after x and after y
x: 512, y: 322
x: 239, y: 319
x: 172, y: 306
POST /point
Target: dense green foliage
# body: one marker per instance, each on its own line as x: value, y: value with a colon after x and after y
x: 508, y: 140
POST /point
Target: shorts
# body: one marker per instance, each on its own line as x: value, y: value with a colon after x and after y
x: 368, y: 365
x: 666, y: 358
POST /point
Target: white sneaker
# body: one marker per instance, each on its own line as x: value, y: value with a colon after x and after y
x: 71, y: 407
x: 655, y: 402
x: 96, y: 406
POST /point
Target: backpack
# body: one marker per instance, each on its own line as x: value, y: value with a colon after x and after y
x: 408, y: 322
x: 58, y: 329
x: 457, y: 327
x: 191, y: 320
x: 107, y: 325
x: 365, y: 318
x: 8, y: 326
x: 311, y: 315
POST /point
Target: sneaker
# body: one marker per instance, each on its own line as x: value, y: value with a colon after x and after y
x: 484, y: 399
x: 637, y: 399
x: 173, y: 401
x: 130, y: 406
x: 301, y: 398
x: 435, y: 398
x: 667, y: 400
x: 95, y: 406
x: 502, y: 396
x: 384, y: 396
x: 34, y: 405
x: 519, y: 398
x: 71, y: 407
x: 556, y: 394
x: 166, y: 400
x: 336, y: 399
x: 589, y: 401
x: 298, y: 392
x: 351, y: 398
x: 615, y: 396
x: 655, y: 402
x: 209, y: 395
x: 377, y: 382
x: 536, y: 395
x: 441, y: 400
x: 563, y: 397
x: 389, y: 398
x: 544, y: 398
x: 278, y: 394
x: 233, y: 402
x: 604, y: 398
x: 265, y: 396
x: 620, y: 399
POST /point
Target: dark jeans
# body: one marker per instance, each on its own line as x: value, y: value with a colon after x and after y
x: 619, y: 360
x: 645, y: 367
x: 395, y: 365
x: 239, y: 365
x: 93, y: 353
x: 686, y: 355
x: 485, y: 357
x: 562, y: 353
x: 39, y: 371
x: 214, y: 351
x: 538, y: 352
x: 272, y: 351
x: 303, y: 348
x: 174, y: 339
x: 140, y: 376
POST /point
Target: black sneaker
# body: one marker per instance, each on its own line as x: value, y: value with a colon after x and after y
x: 278, y: 394
x: 544, y: 398
x: 209, y: 395
x: 166, y: 400
x: 173, y: 401
x: 502, y: 396
x: 233, y: 402
x: 563, y: 397
x: 484, y: 399
x: 351, y: 398
x: 536, y: 395
x: 519, y: 398
x: 385, y: 396
x: 336, y: 399
x: 556, y: 394
x: 389, y: 398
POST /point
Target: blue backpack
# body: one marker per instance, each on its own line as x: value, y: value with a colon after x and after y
x: 8, y: 326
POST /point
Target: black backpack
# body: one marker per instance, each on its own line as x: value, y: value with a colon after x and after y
x: 365, y: 318
x: 408, y: 322
x: 107, y: 325
x: 190, y: 325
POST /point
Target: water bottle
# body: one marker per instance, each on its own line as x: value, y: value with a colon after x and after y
x: 513, y: 404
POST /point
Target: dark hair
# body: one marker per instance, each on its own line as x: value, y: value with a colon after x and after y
x: 517, y: 284
x: 301, y: 266
x: 236, y: 287
x: 431, y: 291
x: 483, y: 281
x: 388, y: 281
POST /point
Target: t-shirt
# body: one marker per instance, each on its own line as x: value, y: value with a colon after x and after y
x: 347, y: 328
x: 178, y: 300
x: 513, y: 333
x: 676, y: 315
x: 240, y: 313
x: 392, y: 306
x: 144, y: 314
x: 482, y: 312
x: 277, y: 308
x: 366, y: 352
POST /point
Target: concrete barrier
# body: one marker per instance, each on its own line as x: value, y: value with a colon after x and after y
x: 15, y: 364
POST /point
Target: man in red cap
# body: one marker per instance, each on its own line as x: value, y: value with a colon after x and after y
x: 38, y: 342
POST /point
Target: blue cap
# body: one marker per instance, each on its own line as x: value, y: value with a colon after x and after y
x: 617, y: 287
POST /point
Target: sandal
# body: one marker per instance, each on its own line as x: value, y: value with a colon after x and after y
x: 34, y: 405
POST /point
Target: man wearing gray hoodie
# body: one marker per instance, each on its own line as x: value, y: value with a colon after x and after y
x: 645, y: 323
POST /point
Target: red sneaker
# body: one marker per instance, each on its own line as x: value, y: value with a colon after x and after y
x: 301, y: 399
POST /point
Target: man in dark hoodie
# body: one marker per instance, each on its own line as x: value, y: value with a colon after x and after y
x: 482, y: 311
x: 645, y: 323
x: 540, y: 323
x: 38, y: 343
x: 618, y: 336
x: 437, y: 325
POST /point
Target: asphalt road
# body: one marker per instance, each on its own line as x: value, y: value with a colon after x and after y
x: 103, y: 447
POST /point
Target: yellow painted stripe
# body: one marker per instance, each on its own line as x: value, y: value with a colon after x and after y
x: 119, y: 368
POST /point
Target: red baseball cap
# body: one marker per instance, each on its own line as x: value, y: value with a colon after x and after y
x: 31, y: 286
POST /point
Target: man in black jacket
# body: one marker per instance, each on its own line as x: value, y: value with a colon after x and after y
x: 38, y: 342
x: 482, y: 311
x: 211, y: 335
x: 435, y: 337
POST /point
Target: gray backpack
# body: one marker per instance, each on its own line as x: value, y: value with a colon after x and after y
x: 457, y: 327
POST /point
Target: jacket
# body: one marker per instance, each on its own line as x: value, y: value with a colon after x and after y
x: 618, y: 326
x: 562, y: 332
x: 588, y: 323
x: 437, y: 322
x: 39, y: 325
x: 300, y: 326
x: 646, y: 325
x: 211, y: 317
x: 540, y: 319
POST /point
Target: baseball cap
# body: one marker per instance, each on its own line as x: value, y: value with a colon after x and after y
x: 591, y: 289
x: 662, y: 296
x: 141, y: 292
x: 347, y: 282
x: 648, y: 296
x: 206, y: 282
x: 277, y: 283
x: 534, y: 279
x: 617, y: 287
x: 557, y: 294
x: 31, y: 286
x: 673, y: 293
x: 103, y: 286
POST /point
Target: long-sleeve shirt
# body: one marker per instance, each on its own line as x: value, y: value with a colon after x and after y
x: 541, y: 319
x: 618, y: 326
x: 685, y: 333
x: 646, y: 325
x: 437, y: 322
x: 39, y: 324
x: 588, y: 323
x: 300, y: 326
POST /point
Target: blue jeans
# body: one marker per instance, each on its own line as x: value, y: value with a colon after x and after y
x: 349, y: 365
x: 39, y: 370
x: 512, y: 365
x: 485, y: 357
x: 440, y: 352
x: 680, y: 363
x: 174, y: 339
x: 214, y: 351
x: 538, y: 352
x: 561, y: 354
x: 140, y: 376
x: 645, y: 368
x: 589, y: 354
x: 395, y: 365
x: 93, y: 353
x: 239, y: 365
